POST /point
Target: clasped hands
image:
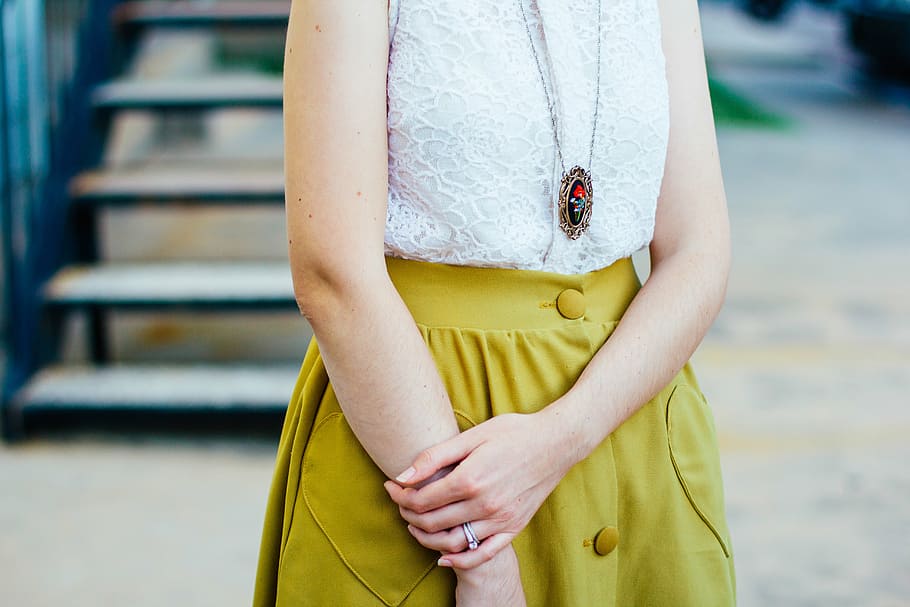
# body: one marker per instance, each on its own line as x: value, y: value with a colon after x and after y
x: 498, y: 474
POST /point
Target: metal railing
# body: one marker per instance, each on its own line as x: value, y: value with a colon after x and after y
x: 51, y: 54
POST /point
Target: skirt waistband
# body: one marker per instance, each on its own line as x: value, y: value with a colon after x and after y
x: 441, y: 295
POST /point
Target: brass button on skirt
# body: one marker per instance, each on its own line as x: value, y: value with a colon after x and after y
x: 571, y: 304
x: 606, y: 540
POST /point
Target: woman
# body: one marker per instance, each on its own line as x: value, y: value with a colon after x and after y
x: 462, y: 283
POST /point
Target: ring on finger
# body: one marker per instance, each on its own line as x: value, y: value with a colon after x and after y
x: 470, y: 536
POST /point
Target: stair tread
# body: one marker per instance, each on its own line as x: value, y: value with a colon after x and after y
x: 181, y: 283
x: 165, y: 386
x: 188, y: 12
x: 199, y: 91
x: 180, y: 183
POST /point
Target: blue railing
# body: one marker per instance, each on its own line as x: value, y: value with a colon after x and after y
x: 51, y: 54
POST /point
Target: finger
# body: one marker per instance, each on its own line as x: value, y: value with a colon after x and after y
x: 438, y: 520
x: 396, y: 492
x: 450, y: 540
x: 457, y: 486
x: 411, y: 499
x: 432, y: 460
x: 469, y: 559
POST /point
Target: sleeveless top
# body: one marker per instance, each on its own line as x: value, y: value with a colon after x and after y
x: 473, y: 169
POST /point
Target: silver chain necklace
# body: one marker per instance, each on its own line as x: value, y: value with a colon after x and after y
x: 576, y: 191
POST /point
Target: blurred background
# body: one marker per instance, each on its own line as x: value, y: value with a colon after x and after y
x: 150, y: 337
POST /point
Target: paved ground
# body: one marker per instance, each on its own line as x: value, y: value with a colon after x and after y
x: 95, y: 523
x: 807, y: 368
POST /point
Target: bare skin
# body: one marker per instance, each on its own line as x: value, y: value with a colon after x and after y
x: 494, y: 483
x: 336, y: 63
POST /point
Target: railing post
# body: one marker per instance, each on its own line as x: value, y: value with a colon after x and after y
x: 46, y: 136
x: 24, y: 161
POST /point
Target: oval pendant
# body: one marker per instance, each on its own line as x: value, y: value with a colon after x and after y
x: 575, y: 200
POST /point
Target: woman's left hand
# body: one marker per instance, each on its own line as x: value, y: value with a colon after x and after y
x: 506, y: 467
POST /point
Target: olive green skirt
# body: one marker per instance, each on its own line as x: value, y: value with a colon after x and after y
x: 639, y: 523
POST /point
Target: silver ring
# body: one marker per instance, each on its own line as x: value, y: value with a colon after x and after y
x: 473, y: 542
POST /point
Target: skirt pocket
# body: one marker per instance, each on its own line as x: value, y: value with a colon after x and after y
x: 693, y: 450
x: 343, y: 491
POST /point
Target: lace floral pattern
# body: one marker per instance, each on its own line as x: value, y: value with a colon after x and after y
x: 473, y: 171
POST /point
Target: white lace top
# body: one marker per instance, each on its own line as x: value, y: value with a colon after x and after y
x: 473, y: 170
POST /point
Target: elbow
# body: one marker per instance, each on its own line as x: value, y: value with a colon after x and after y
x: 708, y: 258
x: 712, y: 261
x: 721, y: 254
x: 716, y: 261
x: 318, y: 290
x: 326, y: 290
x: 715, y: 257
x: 705, y: 261
x: 313, y: 294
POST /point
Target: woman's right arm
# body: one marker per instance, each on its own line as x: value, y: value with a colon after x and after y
x: 336, y: 187
x: 336, y: 191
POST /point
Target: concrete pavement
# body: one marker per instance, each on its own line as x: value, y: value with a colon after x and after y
x: 808, y: 365
x: 92, y: 522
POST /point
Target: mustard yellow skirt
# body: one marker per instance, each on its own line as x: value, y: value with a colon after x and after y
x: 639, y: 523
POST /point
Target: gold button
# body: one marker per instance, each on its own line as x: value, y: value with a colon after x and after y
x: 571, y: 304
x: 606, y: 540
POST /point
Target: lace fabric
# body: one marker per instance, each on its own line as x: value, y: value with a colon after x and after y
x: 473, y: 169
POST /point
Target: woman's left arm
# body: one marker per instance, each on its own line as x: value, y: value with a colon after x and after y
x: 508, y: 465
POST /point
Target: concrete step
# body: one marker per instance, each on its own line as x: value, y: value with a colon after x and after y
x: 204, y: 92
x: 183, y: 13
x: 198, y: 285
x: 185, y: 184
x: 242, y: 387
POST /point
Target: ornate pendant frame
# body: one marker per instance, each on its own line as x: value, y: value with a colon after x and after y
x: 575, y: 230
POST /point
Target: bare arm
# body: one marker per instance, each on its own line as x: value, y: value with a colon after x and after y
x: 336, y: 164
x: 690, y: 253
x: 336, y: 189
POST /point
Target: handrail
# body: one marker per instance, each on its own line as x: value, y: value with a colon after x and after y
x: 23, y: 169
x: 53, y: 52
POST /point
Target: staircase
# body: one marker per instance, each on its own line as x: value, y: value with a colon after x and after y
x: 177, y: 297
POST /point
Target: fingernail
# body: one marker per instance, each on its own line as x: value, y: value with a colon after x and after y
x: 404, y: 476
x: 411, y: 529
x: 444, y: 562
